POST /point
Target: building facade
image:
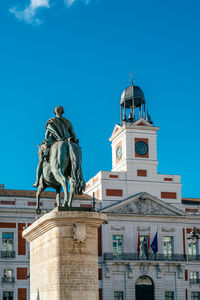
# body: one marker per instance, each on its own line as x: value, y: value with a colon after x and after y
x: 145, y: 252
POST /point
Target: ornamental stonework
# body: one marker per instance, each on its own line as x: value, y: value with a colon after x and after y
x: 143, y: 207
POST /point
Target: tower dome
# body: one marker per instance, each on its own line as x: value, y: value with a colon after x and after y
x: 132, y: 95
x: 132, y: 104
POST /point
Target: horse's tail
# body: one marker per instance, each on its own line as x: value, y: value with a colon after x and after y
x: 75, y: 155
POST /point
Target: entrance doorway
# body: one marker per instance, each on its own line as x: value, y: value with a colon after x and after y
x: 144, y: 288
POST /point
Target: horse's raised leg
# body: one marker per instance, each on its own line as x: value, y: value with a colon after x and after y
x: 58, y: 196
x: 41, y: 188
x: 59, y: 176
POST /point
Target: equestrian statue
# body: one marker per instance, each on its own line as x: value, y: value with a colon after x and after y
x: 60, y: 160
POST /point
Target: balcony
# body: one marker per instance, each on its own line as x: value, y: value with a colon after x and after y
x: 148, y: 257
x: 194, y: 257
x: 7, y: 254
x: 8, y: 279
x: 195, y: 281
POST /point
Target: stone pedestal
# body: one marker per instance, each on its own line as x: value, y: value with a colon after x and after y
x: 64, y: 255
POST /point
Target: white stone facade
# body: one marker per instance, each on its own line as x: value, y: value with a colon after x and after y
x: 139, y: 203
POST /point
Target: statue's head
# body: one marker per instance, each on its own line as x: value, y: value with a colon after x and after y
x: 59, y: 110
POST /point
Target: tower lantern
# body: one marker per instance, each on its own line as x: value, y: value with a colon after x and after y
x: 132, y: 104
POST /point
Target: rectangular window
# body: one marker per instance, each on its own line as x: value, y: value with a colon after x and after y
x: 8, y: 276
x: 144, y: 241
x: 117, y: 245
x: 7, y: 244
x: 118, y: 296
x: 195, y: 295
x: 8, y: 295
x: 167, y: 247
x: 192, y: 250
x: 194, y: 277
x: 169, y: 295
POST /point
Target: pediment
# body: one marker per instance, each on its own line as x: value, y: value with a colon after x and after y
x: 143, y: 122
x: 117, y: 127
x: 143, y: 204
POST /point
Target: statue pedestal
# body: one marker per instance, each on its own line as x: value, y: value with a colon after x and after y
x: 64, y: 255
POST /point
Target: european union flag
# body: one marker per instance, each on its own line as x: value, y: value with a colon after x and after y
x: 154, y: 244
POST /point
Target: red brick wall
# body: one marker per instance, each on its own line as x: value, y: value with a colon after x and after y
x: 142, y: 173
x: 21, y: 273
x: 186, y: 275
x: 167, y: 179
x: 112, y: 192
x: 186, y: 294
x: 21, y: 241
x: 113, y: 176
x: 100, y: 294
x: 7, y: 225
x: 33, y: 203
x: 100, y: 274
x: 7, y: 202
x: 191, y: 210
x: 21, y: 294
x: 184, y: 252
x: 168, y: 195
x: 85, y: 205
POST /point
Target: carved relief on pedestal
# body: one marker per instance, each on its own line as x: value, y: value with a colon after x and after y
x: 79, y: 232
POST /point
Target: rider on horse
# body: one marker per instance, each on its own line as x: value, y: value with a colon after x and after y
x: 57, y: 129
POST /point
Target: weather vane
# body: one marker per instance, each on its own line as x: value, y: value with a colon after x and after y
x: 132, y: 80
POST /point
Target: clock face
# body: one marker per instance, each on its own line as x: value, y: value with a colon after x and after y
x: 141, y: 148
x: 119, y: 152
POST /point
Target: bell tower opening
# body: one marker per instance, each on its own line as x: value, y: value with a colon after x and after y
x: 132, y: 105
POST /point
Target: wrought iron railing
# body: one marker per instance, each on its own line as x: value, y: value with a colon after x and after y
x: 149, y: 256
x: 195, y: 281
x: 194, y: 257
x: 8, y: 279
x: 7, y: 254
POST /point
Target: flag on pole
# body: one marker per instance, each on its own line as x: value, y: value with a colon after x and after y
x: 154, y: 244
x: 138, y: 247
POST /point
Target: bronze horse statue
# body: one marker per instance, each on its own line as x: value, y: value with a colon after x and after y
x: 63, y: 165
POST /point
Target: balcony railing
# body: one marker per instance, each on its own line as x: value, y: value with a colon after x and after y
x: 7, y: 254
x: 195, y: 281
x: 194, y: 257
x: 149, y: 257
x: 8, y: 279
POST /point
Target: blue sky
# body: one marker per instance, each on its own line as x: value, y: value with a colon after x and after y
x: 79, y: 54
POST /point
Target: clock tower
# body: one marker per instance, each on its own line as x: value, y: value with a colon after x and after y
x: 134, y: 141
x: 134, y: 157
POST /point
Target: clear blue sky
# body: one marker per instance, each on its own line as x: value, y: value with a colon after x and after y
x: 79, y: 54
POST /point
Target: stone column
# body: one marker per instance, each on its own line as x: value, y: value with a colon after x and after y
x: 64, y: 255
